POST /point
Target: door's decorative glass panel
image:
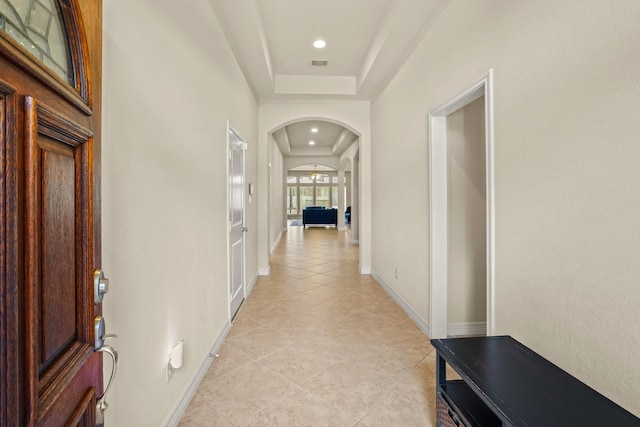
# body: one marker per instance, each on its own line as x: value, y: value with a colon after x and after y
x: 37, y: 26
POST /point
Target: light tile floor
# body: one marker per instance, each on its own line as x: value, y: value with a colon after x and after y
x: 318, y: 344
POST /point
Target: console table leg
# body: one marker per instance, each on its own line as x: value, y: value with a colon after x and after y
x: 441, y: 371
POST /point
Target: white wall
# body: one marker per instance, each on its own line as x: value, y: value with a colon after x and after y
x: 467, y: 219
x: 170, y: 85
x: 566, y: 175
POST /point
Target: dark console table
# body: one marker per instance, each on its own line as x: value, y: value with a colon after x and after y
x: 505, y: 383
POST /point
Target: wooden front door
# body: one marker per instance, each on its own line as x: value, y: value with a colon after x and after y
x: 50, y: 373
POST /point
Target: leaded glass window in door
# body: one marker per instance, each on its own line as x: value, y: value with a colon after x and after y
x: 37, y: 26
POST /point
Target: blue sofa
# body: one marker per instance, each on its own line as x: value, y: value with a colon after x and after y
x: 319, y: 215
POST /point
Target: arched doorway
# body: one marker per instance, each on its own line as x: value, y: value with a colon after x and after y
x: 300, y: 150
x: 356, y: 117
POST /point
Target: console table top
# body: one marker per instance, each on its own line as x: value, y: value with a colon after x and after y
x: 525, y: 389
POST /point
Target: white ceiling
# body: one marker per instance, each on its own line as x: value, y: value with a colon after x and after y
x: 367, y: 43
x: 330, y: 140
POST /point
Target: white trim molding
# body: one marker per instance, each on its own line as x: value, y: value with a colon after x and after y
x: 264, y: 271
x: 251, y: 285
x: 275, y: 243
x: 466, y: 329
x: 482, y: 86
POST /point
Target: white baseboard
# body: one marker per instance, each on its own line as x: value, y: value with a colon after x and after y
x: 424, y: 326
x: 364, y: 270
x: 453, y: 329
x: 176, y: 414
x: 466, y: 329
x: 275, y: 243
x: 250, y: 286
x: 264, y: 271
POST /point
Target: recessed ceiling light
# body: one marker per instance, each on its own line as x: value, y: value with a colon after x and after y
x: 314, y: 130
x: 319, y: 44
x: 312, y: 143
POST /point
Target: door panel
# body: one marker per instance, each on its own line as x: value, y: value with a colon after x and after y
x: 74, y: 404
x: 236, y: 276
x: 236, y: 221
x: 58, y: 290
x: 10, y: 361
x: 59, y: 302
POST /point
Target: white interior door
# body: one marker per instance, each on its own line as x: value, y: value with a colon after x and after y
x: 237, y: 227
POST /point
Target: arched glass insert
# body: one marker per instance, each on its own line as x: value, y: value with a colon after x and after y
x: 37, y: 26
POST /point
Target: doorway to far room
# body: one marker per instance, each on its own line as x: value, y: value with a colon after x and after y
x: 315, y: 186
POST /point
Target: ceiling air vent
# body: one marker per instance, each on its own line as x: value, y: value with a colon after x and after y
x: 319, y: 63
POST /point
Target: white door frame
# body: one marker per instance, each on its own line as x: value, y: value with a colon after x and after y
x: 232, y: 129
x: 482, y: 86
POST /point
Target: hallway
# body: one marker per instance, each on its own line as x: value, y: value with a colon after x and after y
x: 318, y: 344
